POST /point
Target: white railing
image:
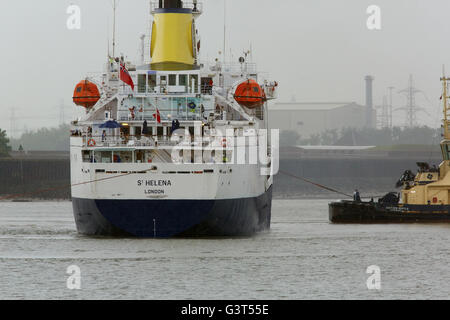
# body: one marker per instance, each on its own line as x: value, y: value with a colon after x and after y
x: 232, y: 67
x: 164, y: 89
x: 141, y: 141
x: 122, y: 142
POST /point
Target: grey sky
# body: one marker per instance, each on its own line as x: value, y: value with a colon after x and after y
x: 318, y: 50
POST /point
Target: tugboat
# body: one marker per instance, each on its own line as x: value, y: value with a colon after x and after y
x: 425, y: 196
x: 176, y: 147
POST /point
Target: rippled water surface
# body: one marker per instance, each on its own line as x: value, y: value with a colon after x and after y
x: 302, y: 257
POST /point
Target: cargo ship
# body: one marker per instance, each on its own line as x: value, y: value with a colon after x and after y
x: 424, y: 196
x: 175, y: 147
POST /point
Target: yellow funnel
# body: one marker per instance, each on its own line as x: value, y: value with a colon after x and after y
x: 172, y: 43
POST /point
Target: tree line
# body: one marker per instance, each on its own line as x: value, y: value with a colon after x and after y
x: 4, y: 144
x: 44, y: 139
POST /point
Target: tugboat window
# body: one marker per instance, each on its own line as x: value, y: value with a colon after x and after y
x: 446, y: 151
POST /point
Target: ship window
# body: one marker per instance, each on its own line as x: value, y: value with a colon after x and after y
x: 86, y: 156
x: 139, y: 156
x: 79, y: 89
x: 172, y: 79
x: 123, y: 157
x: 137, y: 132
x: 446, y: 151
x: 183, y: 79
x: 255, y: 89
x: 103, y: 156
x: 151, y: 81
x: 148, y: 156
x: 141, y: 83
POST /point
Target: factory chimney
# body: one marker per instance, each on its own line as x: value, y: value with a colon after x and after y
x: 369, y: 102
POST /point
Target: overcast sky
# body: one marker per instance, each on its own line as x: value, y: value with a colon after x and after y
x: 318, y: 50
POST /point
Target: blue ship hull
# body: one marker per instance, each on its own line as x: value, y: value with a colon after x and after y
x: 173, y: 218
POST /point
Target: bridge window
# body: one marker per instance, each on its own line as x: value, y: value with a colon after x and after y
x: 172, y: 79
x: 142, y: 83
x: 151, y: 81
x: 183, y: 79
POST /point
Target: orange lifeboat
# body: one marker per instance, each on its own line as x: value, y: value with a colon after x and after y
x: 86, y: 94
x: 250, y: 94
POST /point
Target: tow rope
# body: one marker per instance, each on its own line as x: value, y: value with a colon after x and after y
x: 315, y: 184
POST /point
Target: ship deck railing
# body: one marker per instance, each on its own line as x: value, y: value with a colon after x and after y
x: 249, y: 68
x: 129, y: 141
x: 166, y: 90
x: 95, y: 142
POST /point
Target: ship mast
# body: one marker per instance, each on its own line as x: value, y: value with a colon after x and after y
x: 224, y: 31
x: 114, y: 29
x: 445, y: 97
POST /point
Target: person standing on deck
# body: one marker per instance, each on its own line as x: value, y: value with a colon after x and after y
x: 145, y: 130
x: 356, y: 196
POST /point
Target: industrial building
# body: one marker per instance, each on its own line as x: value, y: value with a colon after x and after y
x: 314, y: 118
x: 309, y: 118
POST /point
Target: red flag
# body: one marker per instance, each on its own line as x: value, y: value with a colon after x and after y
x: 125, y: 76
x: 157, y: 116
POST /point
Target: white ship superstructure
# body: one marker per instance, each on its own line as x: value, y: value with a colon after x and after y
x: 174, y: 147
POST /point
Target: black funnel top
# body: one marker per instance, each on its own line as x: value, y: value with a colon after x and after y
x: 170, y: 4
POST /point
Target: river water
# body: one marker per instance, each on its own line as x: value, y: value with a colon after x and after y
x: 302, y: 257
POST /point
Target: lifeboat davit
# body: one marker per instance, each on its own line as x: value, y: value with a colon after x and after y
x: 250, y: 94
x: 86, y: 94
